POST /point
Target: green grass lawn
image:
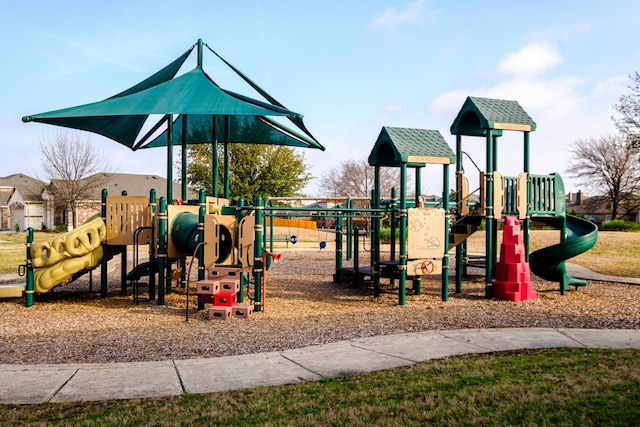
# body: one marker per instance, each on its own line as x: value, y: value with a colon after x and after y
x: 571, y: 387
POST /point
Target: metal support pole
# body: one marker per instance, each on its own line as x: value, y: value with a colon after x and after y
x: 402, y: 266
x: 123, y: 265
x: 527, y: 221
x: 162, y: 249
x: 214, y: 156
x: 461, y: 247
x: 375, y: 233
x: 350, y: 229
x: 445, y: 256
x: 490, y: 223
x: 169, y: 158
x: 183, y: 177
x: 153, y: 262
x: 105, y: 248
x: 257, y: 253
x: 202, y: 200
x: 339, y: 225
x: 227, y: 127
x: 238, y: 218
x: 29, y: 289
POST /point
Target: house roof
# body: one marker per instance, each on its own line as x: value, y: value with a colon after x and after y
x: 136, y: 185
x: 29, y: 188
x: 415, y: 147
x: 5, y: 195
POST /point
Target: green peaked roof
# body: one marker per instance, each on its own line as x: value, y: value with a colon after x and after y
x: 415, y: 147
x: 477, y: 115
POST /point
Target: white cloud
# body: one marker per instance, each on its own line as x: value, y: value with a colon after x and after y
x: 532, y: 59
x: 565, y: 109
x: 392, y: 17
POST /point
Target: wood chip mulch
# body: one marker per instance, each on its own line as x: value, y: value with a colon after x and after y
x: 303, y: 307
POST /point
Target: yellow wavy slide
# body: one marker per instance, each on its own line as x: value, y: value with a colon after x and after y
x: 56, y: 262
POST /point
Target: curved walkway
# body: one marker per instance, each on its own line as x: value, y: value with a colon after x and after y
x: 30, y: 384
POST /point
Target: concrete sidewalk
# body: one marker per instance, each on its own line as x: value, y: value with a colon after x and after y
x: 30, y: 384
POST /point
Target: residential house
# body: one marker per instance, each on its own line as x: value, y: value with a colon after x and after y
x: 597, y: 209
x: 116, y: 184
x: 25, y: 202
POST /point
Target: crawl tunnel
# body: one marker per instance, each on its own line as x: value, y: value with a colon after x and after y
x: 185, y: 236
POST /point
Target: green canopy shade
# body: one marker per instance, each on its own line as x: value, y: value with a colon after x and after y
x: 242, y: 129
x: 123, y: 116
x: 119, y: 117
x: 120, y: 128
x: 478, y: 115
x: 413, y: 147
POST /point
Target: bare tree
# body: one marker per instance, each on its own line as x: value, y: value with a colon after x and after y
x: 355, y: 178
x: 609, y: 166
x: 629, y: 107
x: 71, y: 163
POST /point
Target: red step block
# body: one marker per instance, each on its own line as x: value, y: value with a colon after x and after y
x: 225, y: 299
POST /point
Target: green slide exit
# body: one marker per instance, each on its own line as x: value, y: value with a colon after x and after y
x: 549, y: 263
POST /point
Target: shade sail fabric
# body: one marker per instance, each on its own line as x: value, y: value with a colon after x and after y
x: 193, y: 94
x: 241, y: 129
x: 190, y: 93
x: 120, y: 128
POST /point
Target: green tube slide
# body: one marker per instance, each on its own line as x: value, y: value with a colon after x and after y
x: 549, y: 263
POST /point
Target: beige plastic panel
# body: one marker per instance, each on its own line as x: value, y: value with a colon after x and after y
x: 463, y: 193
x: 498, y: 195
x: 483, y: 189
x: 125, y: 214
x: 215, y: 228
x: 424, y: 267
x: 426, y: 233
x: 521, y: 195
x: 246, y: 233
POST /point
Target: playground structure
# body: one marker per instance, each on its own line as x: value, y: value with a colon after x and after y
x: 230, y: 242
x: 238, y: 240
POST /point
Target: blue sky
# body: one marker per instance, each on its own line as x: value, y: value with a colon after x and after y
x: 350, y: 67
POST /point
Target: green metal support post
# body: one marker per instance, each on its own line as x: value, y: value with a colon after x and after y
x: 103, y: 264
x: 123, y: 265
x: 350, y: 230
x: 402, y: 266
x: 257, y: 254
x: 445, y: 256
x: 170, y: 158
x: 489, y: 217
x: 152, y: 247
x: 461, y: 247
x: 417, y: 280
x: 375, y: 235
x: 202, y: 201
x: 183, y: 167
x: 527, y: 220
x: 227, y: 129
x: 162, y: 249
x: 29, y: 289
x: 238, y: 217
x: 339, y: 225
x: 214, y: 157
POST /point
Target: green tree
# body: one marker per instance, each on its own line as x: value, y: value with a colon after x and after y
x: 255, y: 170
